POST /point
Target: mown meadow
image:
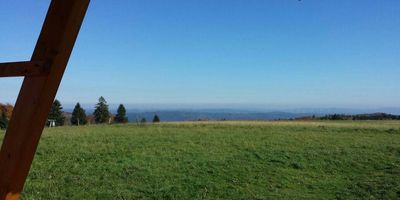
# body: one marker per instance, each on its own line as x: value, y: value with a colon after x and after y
x: 219, y: 160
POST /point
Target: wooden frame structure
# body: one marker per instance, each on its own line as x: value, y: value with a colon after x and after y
x: 43, y: 74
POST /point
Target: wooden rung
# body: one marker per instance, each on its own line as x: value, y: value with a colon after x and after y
x: 25, y: 68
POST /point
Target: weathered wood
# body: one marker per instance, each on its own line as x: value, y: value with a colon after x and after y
x: 54, y: 47
x: 26, y: 68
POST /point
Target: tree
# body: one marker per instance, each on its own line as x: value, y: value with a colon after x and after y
x: 78, y: 115
x: 56, y: 113
x: 143, y: 121
x: 156, y: 119
x: 101, y: 113
x: 3, y: 120
x: 7, y: 108
x: 121, y: 115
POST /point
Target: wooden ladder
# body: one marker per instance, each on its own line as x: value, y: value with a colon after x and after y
x: 42, y: 76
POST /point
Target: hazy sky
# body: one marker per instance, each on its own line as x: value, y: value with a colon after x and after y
x: 309, y: 53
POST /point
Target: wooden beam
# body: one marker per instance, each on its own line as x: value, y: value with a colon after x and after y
x: 26, y: 68
x: 54, y: 46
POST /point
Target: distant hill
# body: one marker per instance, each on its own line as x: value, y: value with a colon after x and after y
x: 211, y: 115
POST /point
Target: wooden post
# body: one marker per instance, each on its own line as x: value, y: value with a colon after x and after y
x: 37, y: 93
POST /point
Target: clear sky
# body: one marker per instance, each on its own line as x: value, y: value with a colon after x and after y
x: 309, y: 53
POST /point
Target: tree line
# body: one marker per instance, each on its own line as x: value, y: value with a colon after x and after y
x: 373, y: 116
x: 101, y: 114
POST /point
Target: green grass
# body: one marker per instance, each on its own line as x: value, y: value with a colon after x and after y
x: 232, y: 160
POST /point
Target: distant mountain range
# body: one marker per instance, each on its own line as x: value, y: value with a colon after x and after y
x: 211, y: 115
x: 246, y: 114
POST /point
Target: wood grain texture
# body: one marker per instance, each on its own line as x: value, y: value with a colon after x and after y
x: 25, y: 68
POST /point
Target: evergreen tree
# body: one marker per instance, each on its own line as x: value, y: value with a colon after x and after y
x: 156, y: 119
x: 121, y: 115
x: 78, y: 116
x: 101, y: 113
x: 56, y: 113
x: 3, y: 121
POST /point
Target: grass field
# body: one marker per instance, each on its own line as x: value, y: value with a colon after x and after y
x: 219, y: 160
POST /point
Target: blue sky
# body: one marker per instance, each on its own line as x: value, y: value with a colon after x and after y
x: 281, y: 53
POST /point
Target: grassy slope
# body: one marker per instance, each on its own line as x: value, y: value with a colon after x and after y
x: 241, y: 160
